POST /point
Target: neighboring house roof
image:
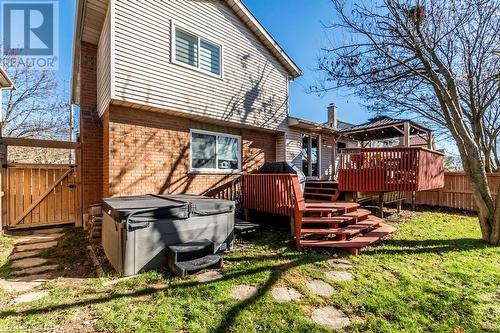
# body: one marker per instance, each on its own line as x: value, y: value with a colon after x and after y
x: 90, y: 16
x: 5, y: 81
x: 305, y: 124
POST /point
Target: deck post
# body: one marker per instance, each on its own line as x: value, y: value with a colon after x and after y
x: 398, y: 205
x: 292, y: 226
x: 381, y: 204
x: 413, y: 199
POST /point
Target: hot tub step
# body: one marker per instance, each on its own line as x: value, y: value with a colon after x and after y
x: 192, y: 250
x: 184, y: 268
x: 189, y: 257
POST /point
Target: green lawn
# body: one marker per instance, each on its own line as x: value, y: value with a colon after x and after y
x: 433, y: 276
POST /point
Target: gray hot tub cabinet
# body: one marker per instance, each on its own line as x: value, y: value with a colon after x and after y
x: 137, y: 230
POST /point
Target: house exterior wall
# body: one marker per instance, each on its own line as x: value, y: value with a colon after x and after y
x: 91, y: 133
x: 104, y: 66
x: 326, y: 155
x: 149, y: 153
x: 252, y: 91
x: 293, y: 139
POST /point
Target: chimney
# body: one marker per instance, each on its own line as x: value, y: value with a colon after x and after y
x: 332, y: 116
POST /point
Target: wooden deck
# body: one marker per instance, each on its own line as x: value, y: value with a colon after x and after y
x: 316, y: 224
x: 405, y: 169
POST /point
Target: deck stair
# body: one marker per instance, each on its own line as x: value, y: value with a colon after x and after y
x: 332, y: 223
x: 321, y: 190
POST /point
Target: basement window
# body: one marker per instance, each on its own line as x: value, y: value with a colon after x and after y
x: 215, y: 152
x: 196, y: 52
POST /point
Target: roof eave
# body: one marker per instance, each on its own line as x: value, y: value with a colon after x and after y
x: 5, y: 81
x: 75, y: 93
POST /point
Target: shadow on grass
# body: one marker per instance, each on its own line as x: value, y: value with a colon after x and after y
x: 436, y: 246
x: 276, y: 272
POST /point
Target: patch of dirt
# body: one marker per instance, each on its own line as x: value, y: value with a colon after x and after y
x: 71, y: 255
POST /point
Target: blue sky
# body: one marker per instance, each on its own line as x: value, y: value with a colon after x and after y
x: 295, y: 24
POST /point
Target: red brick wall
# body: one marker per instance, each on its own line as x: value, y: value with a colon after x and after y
x: 90, y: 129
x: 149, y: 153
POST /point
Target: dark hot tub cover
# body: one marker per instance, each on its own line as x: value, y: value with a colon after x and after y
x: 155, y: 207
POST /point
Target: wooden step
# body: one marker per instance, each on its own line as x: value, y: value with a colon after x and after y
x: 360, y: 214
x: 331, y: 220
x: 355, y: 243
x: 325, y: 184
x: 340, y: 205
x: 320, y: 210
x: 320, y: 231
x: 323, y: 195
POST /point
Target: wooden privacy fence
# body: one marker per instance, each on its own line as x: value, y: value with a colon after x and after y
x: 457, y: 192
x: 268, y: 193
x: 40, y: 195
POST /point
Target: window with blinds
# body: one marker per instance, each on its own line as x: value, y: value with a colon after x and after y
x: 197, y: 52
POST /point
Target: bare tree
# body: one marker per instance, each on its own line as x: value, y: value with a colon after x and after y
x: 437, y: 60
x: 36, y: 108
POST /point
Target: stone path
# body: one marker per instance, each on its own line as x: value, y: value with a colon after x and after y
x: 30, y: 297
x: 340, y: 264
x: 208, y: 276
x: 243, y: 292
x: 28, y: 270
x: 339, y: 276
x: 320, y: 288
x: 285, y: 294
x: 330, y: 317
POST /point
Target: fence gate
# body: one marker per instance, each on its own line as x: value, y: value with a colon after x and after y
x: 39, y: 195
x: 34, y: 195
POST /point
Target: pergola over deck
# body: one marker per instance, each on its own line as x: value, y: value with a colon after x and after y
x: 382, y: 128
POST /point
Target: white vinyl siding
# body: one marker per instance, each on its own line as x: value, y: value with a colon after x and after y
x: 104, y: 66
x: 251, y: 89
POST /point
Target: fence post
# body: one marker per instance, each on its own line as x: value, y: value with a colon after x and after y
x: 3, y: 179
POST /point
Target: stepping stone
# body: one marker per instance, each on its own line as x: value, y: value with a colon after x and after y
x: 331, y: 317
x: 48, y: 231
x: 30, y: 297
x: 36, y: 246
x: 243, y: 292
x: 340, y: 264
x: 17, y: 286
x: 26, y: 254
x: 45, y: 277
x: 339, y: 276
x: 28, y: 262
x: 38, y: 239
x: 285, y: 294
x: 339, y: 261
x: 34, y: 270
x: 320, y: 288
x: 208, y: 276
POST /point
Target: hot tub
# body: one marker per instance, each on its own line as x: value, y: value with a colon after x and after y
x: 137, y: 230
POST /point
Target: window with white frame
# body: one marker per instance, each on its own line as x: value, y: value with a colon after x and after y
x: 197, y: 52
x: 215, y: 152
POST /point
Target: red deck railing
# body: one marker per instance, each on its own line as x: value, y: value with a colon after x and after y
x: 268, y: 193
x: 404, y: 169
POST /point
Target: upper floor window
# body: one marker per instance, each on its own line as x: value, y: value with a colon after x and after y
x: 197, y: 52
